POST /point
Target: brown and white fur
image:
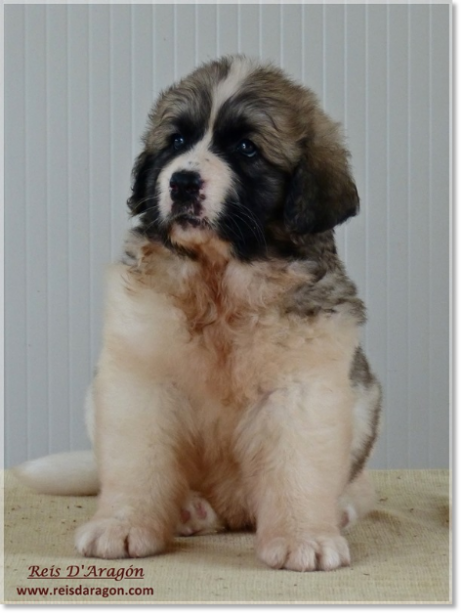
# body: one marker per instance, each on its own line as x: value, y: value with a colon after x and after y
x: 231, y: 390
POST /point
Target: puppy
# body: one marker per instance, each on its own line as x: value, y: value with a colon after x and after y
x: 231, y: 391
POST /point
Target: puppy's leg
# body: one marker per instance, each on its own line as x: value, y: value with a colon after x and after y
x: 295, y: 448
x: 137, y: 449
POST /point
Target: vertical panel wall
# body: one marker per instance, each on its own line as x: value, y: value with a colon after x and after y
x: 79, y: 82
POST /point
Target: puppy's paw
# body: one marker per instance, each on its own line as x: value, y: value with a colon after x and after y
x: 198, y: 517
x: 112, y: 538
x: 306, y: 553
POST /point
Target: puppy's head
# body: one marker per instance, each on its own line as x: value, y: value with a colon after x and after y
x: 238, y: 153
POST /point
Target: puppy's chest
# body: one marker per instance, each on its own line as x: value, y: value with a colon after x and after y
x: 236, y: 332
x: 227, y: 357
x: 220, y: 324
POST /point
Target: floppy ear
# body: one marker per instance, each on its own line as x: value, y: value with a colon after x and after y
x: 143, y: 183
x: 322, y: 192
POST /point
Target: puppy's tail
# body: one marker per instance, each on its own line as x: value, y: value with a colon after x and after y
x: 72, y: 473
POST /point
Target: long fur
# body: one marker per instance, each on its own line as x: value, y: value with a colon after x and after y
x: 61, y: 474
x: 232, y: 390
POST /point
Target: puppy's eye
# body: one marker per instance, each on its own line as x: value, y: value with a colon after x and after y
x: 247, y: 148
x: 178, y: 142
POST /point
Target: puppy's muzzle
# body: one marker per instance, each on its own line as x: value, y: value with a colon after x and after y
x: 185, y: 193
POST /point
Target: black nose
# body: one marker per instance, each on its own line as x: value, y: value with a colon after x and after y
x: 185, y: 186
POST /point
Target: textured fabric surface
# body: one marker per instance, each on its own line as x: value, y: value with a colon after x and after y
x: 400, y: 553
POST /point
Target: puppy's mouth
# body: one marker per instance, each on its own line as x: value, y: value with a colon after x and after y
x: 190, y: 220
x: 188, y: 215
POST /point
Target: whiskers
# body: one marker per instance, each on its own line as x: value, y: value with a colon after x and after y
x: 136, y: 206
x: 244, y: 217
x: 150, y: 217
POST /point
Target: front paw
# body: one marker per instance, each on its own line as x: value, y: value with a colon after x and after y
x: 112, y: 538
x: 304, y: 553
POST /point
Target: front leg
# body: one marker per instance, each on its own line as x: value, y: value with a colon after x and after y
x: 137, y: 444
x: 295, y: 448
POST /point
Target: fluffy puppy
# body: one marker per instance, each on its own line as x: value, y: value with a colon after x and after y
x: 231, y: 390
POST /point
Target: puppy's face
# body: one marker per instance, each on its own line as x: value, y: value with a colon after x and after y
x: 238, y: 153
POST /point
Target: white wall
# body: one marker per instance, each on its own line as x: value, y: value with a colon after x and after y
x: 79, y: 81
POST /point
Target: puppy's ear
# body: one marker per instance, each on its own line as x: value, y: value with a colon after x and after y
x: 142, y: 184
x: 321, y: 192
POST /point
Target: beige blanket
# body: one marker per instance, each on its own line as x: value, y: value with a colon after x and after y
x: 400, y: 553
